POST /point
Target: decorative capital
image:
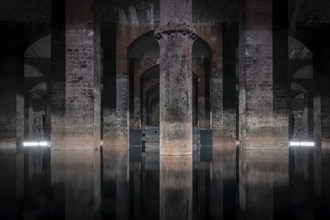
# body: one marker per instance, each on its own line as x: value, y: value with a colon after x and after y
x: 182, y: 29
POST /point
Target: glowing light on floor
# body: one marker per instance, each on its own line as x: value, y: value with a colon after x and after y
x: 36, y: 144
x: 302, y: 144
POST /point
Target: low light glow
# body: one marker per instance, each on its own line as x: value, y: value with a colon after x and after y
x: 302, y: 144
x: 36, y: 144
x: 307, y: 144
x: 30, y: 144
x: 294, y: 143
x: 43, y: 144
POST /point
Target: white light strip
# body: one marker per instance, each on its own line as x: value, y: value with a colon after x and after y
x: 302, y: 143
x: 36, y: 144
x: 294, y: 143
x: 43, y: 144
x: 30, y: 144
x: 307, y: 144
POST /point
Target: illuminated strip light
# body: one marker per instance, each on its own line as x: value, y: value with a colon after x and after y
x: 302, y: 144
x: 36, y: 144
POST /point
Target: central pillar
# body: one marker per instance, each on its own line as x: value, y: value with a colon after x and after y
x: 175, y: 36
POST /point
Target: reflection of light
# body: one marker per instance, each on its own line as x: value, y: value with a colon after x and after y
x: 36, y: 144
x: 294, y: 143
x: 30, y: 144
x: 307, y: 144
x: 43, y: 144
x: 302, y: 143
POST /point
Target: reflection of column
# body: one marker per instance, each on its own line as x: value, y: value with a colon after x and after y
x: 11, y: 136
x: 301, y: 180
x: 82, y: 115
x: 175, y: 187
x: 263, y: 184
x: 216, y: 184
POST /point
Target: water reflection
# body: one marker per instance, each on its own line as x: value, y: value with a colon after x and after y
x: 226, y: 183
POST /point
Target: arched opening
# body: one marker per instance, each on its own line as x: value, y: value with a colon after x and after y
x: 143, y: 69
x: 302, y: 91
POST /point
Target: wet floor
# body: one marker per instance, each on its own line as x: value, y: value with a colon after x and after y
x: 214, y: 183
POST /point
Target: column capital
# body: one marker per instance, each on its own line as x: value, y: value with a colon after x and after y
x: 183, y: 29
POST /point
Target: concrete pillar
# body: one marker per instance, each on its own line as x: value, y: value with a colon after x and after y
x: 11, y: 136
x: 263, y: 92
x: 175, y: 36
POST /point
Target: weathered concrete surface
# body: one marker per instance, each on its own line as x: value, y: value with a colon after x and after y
x: 175, y: 36
x: 256, y: 82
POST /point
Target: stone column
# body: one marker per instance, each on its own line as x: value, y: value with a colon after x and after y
x: 175, y: 36
x: 263, y: 92
x: 81, y: 150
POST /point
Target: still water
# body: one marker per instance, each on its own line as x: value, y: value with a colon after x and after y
x: 215, y: 183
